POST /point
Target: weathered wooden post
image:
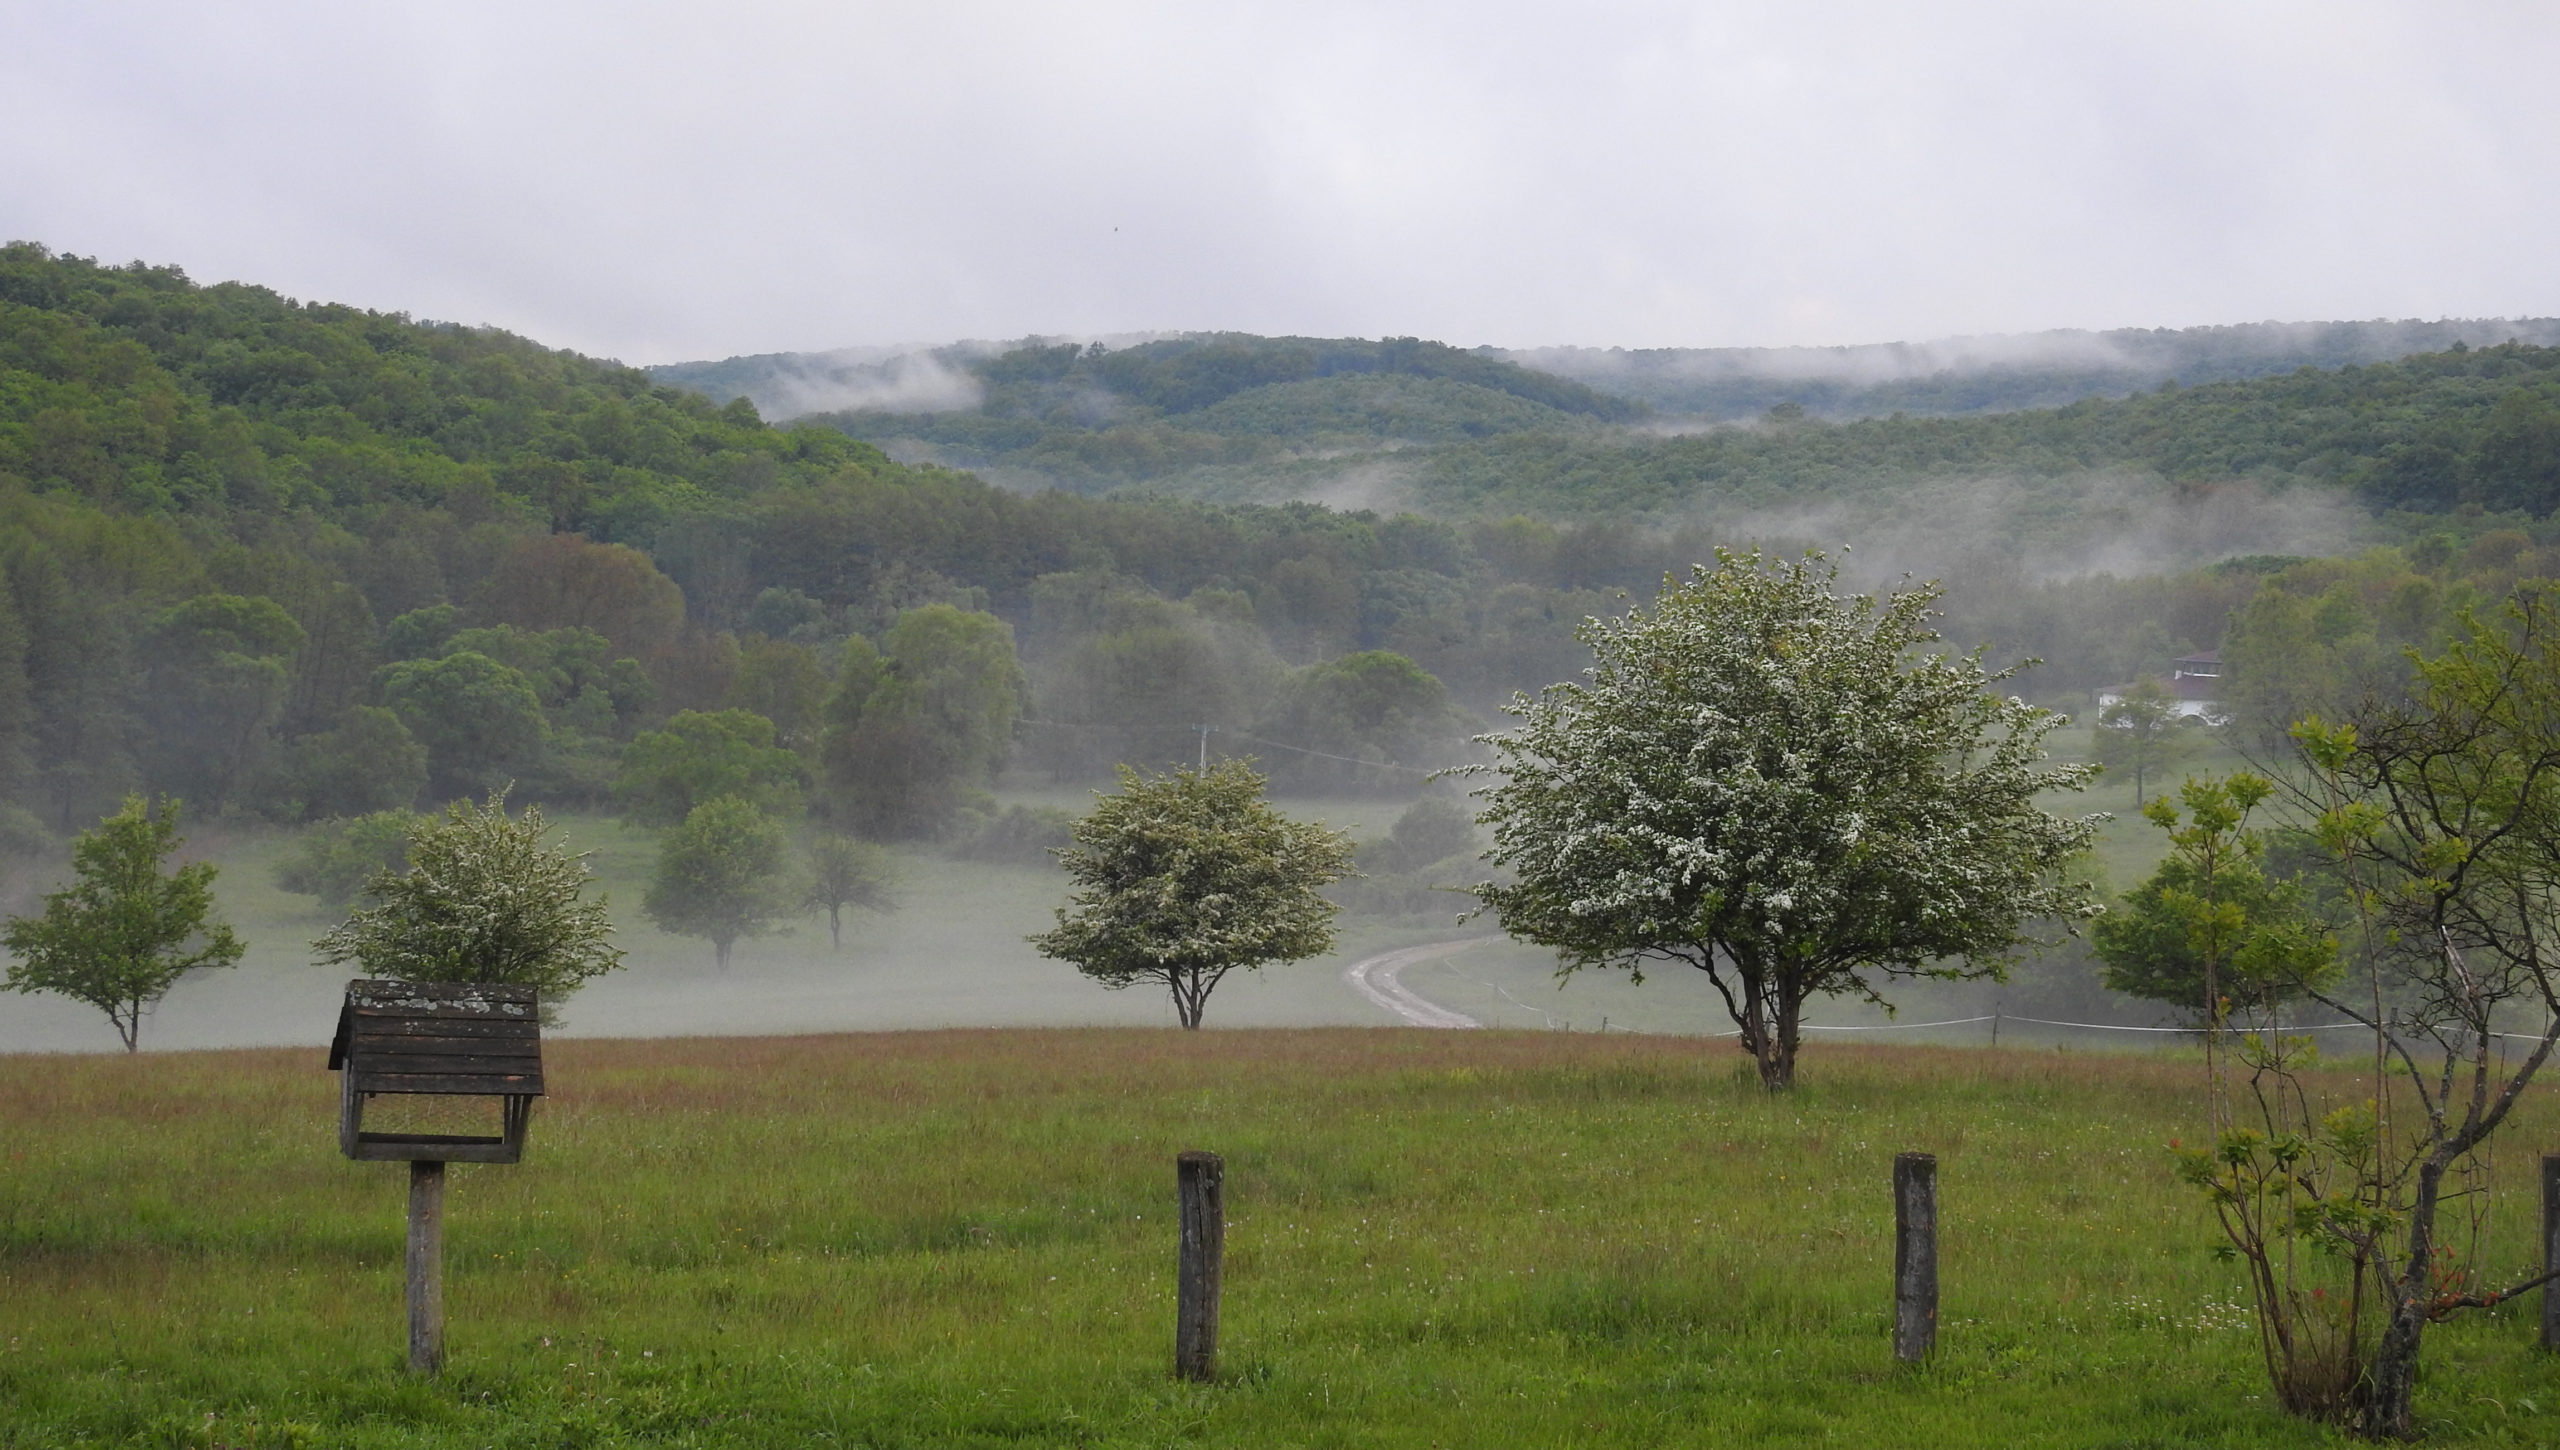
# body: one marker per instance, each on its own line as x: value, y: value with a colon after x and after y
x: 1201, y: 1178
x: 1915, y: 1256
x: 2551, y: 1249
x: 435, y: 1039
x: 426, y: 1266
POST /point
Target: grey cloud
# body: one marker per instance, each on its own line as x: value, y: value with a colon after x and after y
x: 688, y: 182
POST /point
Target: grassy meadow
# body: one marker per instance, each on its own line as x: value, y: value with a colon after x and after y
x: 965, y: 1239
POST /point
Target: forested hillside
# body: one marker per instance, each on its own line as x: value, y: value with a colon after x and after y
x: 1090, y: 417
x: 305, y: 561
x: 2383, y: 407
x: 2475, y: 427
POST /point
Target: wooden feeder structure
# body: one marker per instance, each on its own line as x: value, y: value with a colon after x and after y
x: 462, y: 1040
x: 441, y: 1039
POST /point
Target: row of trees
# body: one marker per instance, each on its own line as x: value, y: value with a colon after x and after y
x: 473, y: 893
x: 572, y: 649
x: 262, y: 683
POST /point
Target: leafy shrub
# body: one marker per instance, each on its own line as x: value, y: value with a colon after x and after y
x: 335, y: 859
x: 1021, y: 836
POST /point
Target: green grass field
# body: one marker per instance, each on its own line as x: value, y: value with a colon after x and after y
x: 965, y: 1239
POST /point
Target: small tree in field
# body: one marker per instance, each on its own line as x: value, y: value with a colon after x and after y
x: 121, y: 936
x: 2212, y: 932
x: 2444, y: 813
x: 484, y: 899
x: 1761, y: 778
x: 2141, y: 734
x: 1183, y: 878
x: 844, y: 871
x: 724, y: 874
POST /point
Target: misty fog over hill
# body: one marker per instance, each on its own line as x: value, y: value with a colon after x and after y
x: 2057, y: 453
x: 1972, y: 374
x: 1996, y: 372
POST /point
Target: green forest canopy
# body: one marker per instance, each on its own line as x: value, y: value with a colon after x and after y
x: 307, y: 560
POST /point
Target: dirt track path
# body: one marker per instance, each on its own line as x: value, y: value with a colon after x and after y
x: 1376, y: 979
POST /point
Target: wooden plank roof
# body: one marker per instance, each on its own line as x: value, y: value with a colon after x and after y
x: 464, y: 1038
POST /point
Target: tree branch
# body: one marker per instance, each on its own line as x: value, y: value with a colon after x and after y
x: 2446, y: 1303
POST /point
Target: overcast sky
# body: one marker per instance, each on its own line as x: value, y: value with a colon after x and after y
x: 666, y: 182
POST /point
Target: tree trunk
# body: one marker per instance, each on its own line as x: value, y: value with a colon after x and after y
x: 720, y: 952
x: 835, y: 924
x: 1769, y: 1036
x: 1790, y: 1035
x: 1777, y: 1066
x: 2388, y: 1414
x: 2393, y: 1377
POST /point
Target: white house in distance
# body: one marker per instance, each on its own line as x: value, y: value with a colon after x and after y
x: 2194, y: 685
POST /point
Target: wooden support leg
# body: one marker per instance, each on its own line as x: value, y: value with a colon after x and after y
x: 426, y: 1267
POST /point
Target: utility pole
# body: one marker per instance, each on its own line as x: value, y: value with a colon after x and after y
x: 1204, y: 748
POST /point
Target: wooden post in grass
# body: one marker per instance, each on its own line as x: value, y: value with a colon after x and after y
x: 2551, y: 1249
x: 1203, y: 1216
x: 426, y: 1266
x: 1915, y: 1256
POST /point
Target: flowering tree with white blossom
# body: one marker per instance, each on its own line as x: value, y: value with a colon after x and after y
x: 1774, y: 783
x: 485, y: 898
